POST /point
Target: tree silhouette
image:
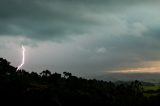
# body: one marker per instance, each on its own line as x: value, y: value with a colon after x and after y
x: 45, y: 88
x: 4, y: 66
x: 67, y: 74
x: 45, y: 73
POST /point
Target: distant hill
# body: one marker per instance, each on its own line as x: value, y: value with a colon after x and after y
x: 146, y: 77
x: 128, y: 82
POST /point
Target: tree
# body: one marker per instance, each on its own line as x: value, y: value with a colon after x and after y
x: 67, y: 74
x: 45, y: 73
x: 5, y: 66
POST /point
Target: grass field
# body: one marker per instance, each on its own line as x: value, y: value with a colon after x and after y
x: 151, y: 90
x: 154, y: 88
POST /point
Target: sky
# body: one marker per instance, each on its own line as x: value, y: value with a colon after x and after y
x: 84, y: 37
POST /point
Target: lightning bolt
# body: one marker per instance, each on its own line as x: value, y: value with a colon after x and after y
x: 23, y: 58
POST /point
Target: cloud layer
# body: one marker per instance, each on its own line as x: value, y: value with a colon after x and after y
x: 46, y: 19
x: 87, y: 37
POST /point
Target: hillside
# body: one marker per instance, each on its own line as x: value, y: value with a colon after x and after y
x: 53, y: 89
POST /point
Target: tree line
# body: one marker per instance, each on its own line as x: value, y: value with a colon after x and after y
x: 54, y: 89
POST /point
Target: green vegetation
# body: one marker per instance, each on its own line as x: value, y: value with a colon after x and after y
x: 53, y: 89
x: 154, y: 88
x: 150, y: 91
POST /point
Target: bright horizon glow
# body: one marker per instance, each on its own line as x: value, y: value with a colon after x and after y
x: 139, y: 70
x: 23, y: 58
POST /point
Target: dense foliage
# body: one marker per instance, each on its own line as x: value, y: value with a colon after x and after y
x: 53, y: 89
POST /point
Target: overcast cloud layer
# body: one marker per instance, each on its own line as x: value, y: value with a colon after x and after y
x: 85, y: 37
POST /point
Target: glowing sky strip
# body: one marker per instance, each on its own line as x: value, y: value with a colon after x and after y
x: 23, y: 58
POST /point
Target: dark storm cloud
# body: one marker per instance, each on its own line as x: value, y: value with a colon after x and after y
x: 41, y: 19
x: 45, y: 19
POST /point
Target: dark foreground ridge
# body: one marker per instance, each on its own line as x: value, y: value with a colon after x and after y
x: 53, y: 89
